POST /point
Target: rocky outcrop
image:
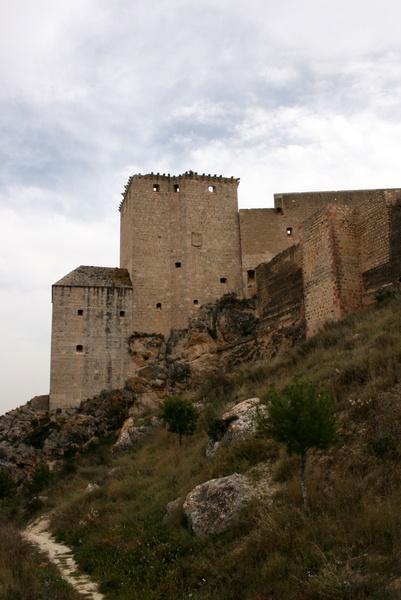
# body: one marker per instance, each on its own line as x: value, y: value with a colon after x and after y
x: 133, y: 433
x: 212, y: 506
x: 239, y: 423
x: 221, y: 336
x: 30, y: 433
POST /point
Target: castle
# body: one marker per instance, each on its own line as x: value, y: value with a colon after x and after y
x: 184, y: 243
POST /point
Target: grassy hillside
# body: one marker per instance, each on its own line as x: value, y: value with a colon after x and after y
x: 346, y: 546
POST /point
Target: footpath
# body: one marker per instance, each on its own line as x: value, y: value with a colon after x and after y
x: 59, y: 554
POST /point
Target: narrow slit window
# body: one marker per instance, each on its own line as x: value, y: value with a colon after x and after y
x: 79, y: 348
x: 159, y: 306
x: 178, y: 265
x: 156, y: 187
x: 251, y: 274
x: 80, y: 312
x: 223, y: 279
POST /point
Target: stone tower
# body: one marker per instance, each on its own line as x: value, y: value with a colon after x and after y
x: 92, y: 319
x: 180, y: 243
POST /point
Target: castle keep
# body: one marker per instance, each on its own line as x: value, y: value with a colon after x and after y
x: 184, y: 244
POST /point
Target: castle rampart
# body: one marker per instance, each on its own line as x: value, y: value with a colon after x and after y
x: 313, y: 258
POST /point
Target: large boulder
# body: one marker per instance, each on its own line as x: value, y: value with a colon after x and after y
x: 212, y: 506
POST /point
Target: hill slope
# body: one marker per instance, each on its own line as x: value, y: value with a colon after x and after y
x: 347, y: 545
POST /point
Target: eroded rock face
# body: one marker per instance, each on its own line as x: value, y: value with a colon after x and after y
x: 132, y: 433
x: 221, y: 336
x: 212, y: 506
x: 30, y: 433
x: 239, y: 423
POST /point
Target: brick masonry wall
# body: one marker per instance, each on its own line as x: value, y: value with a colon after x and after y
x: 331, y: 266
x: 90, y: 330
x: 180, y: 243
x: 320, y: 284
x: 387, y: 275
x: 280, y: 288
x: 373, y: 220
x: 346, y: 258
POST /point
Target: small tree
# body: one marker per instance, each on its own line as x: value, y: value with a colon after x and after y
x: 180, y: 416
x: 300, y: 418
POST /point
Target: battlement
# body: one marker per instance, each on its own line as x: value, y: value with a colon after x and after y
x: 157, y: 182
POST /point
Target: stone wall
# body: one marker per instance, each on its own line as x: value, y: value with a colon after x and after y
x: 380, y: 235
x: 280, y: 287
x: 263, y: 236
x: 331, y: 266
x: 180, y: 243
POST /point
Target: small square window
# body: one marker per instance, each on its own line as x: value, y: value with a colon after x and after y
x: 176, y: 188
x: 289, y: 230
x: 177, y: 265
x: 159, y: 306
x: 122, y: 313
x: 80, y: 312
x: 79, y: 348
x: 212, y: 189
x: 156, y: 187
x: 223, y: 279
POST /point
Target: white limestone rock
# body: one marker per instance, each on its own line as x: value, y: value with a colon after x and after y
x: 212, y: 506
x: 130, y: 436
x: 239, y: 423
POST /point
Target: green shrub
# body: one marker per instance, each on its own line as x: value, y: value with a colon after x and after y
x: 180, y: 416
x: 301, y: 418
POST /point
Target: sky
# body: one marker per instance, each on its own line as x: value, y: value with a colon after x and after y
x: 289, y: 96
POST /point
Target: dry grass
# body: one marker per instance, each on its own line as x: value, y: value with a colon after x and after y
x: 25, y: 574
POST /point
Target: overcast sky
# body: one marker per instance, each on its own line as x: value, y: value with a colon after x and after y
x: 288, y: 95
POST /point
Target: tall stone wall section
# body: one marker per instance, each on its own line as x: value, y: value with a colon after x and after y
x: 331, y: 266
x: 90, y: 329
x: 318, y: 276
x: 380, y: 227
x: 181, y: 245
x: 280, y: 288
x: 263, y: 236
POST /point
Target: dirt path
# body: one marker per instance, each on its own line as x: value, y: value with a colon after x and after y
x: 38, y: 533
